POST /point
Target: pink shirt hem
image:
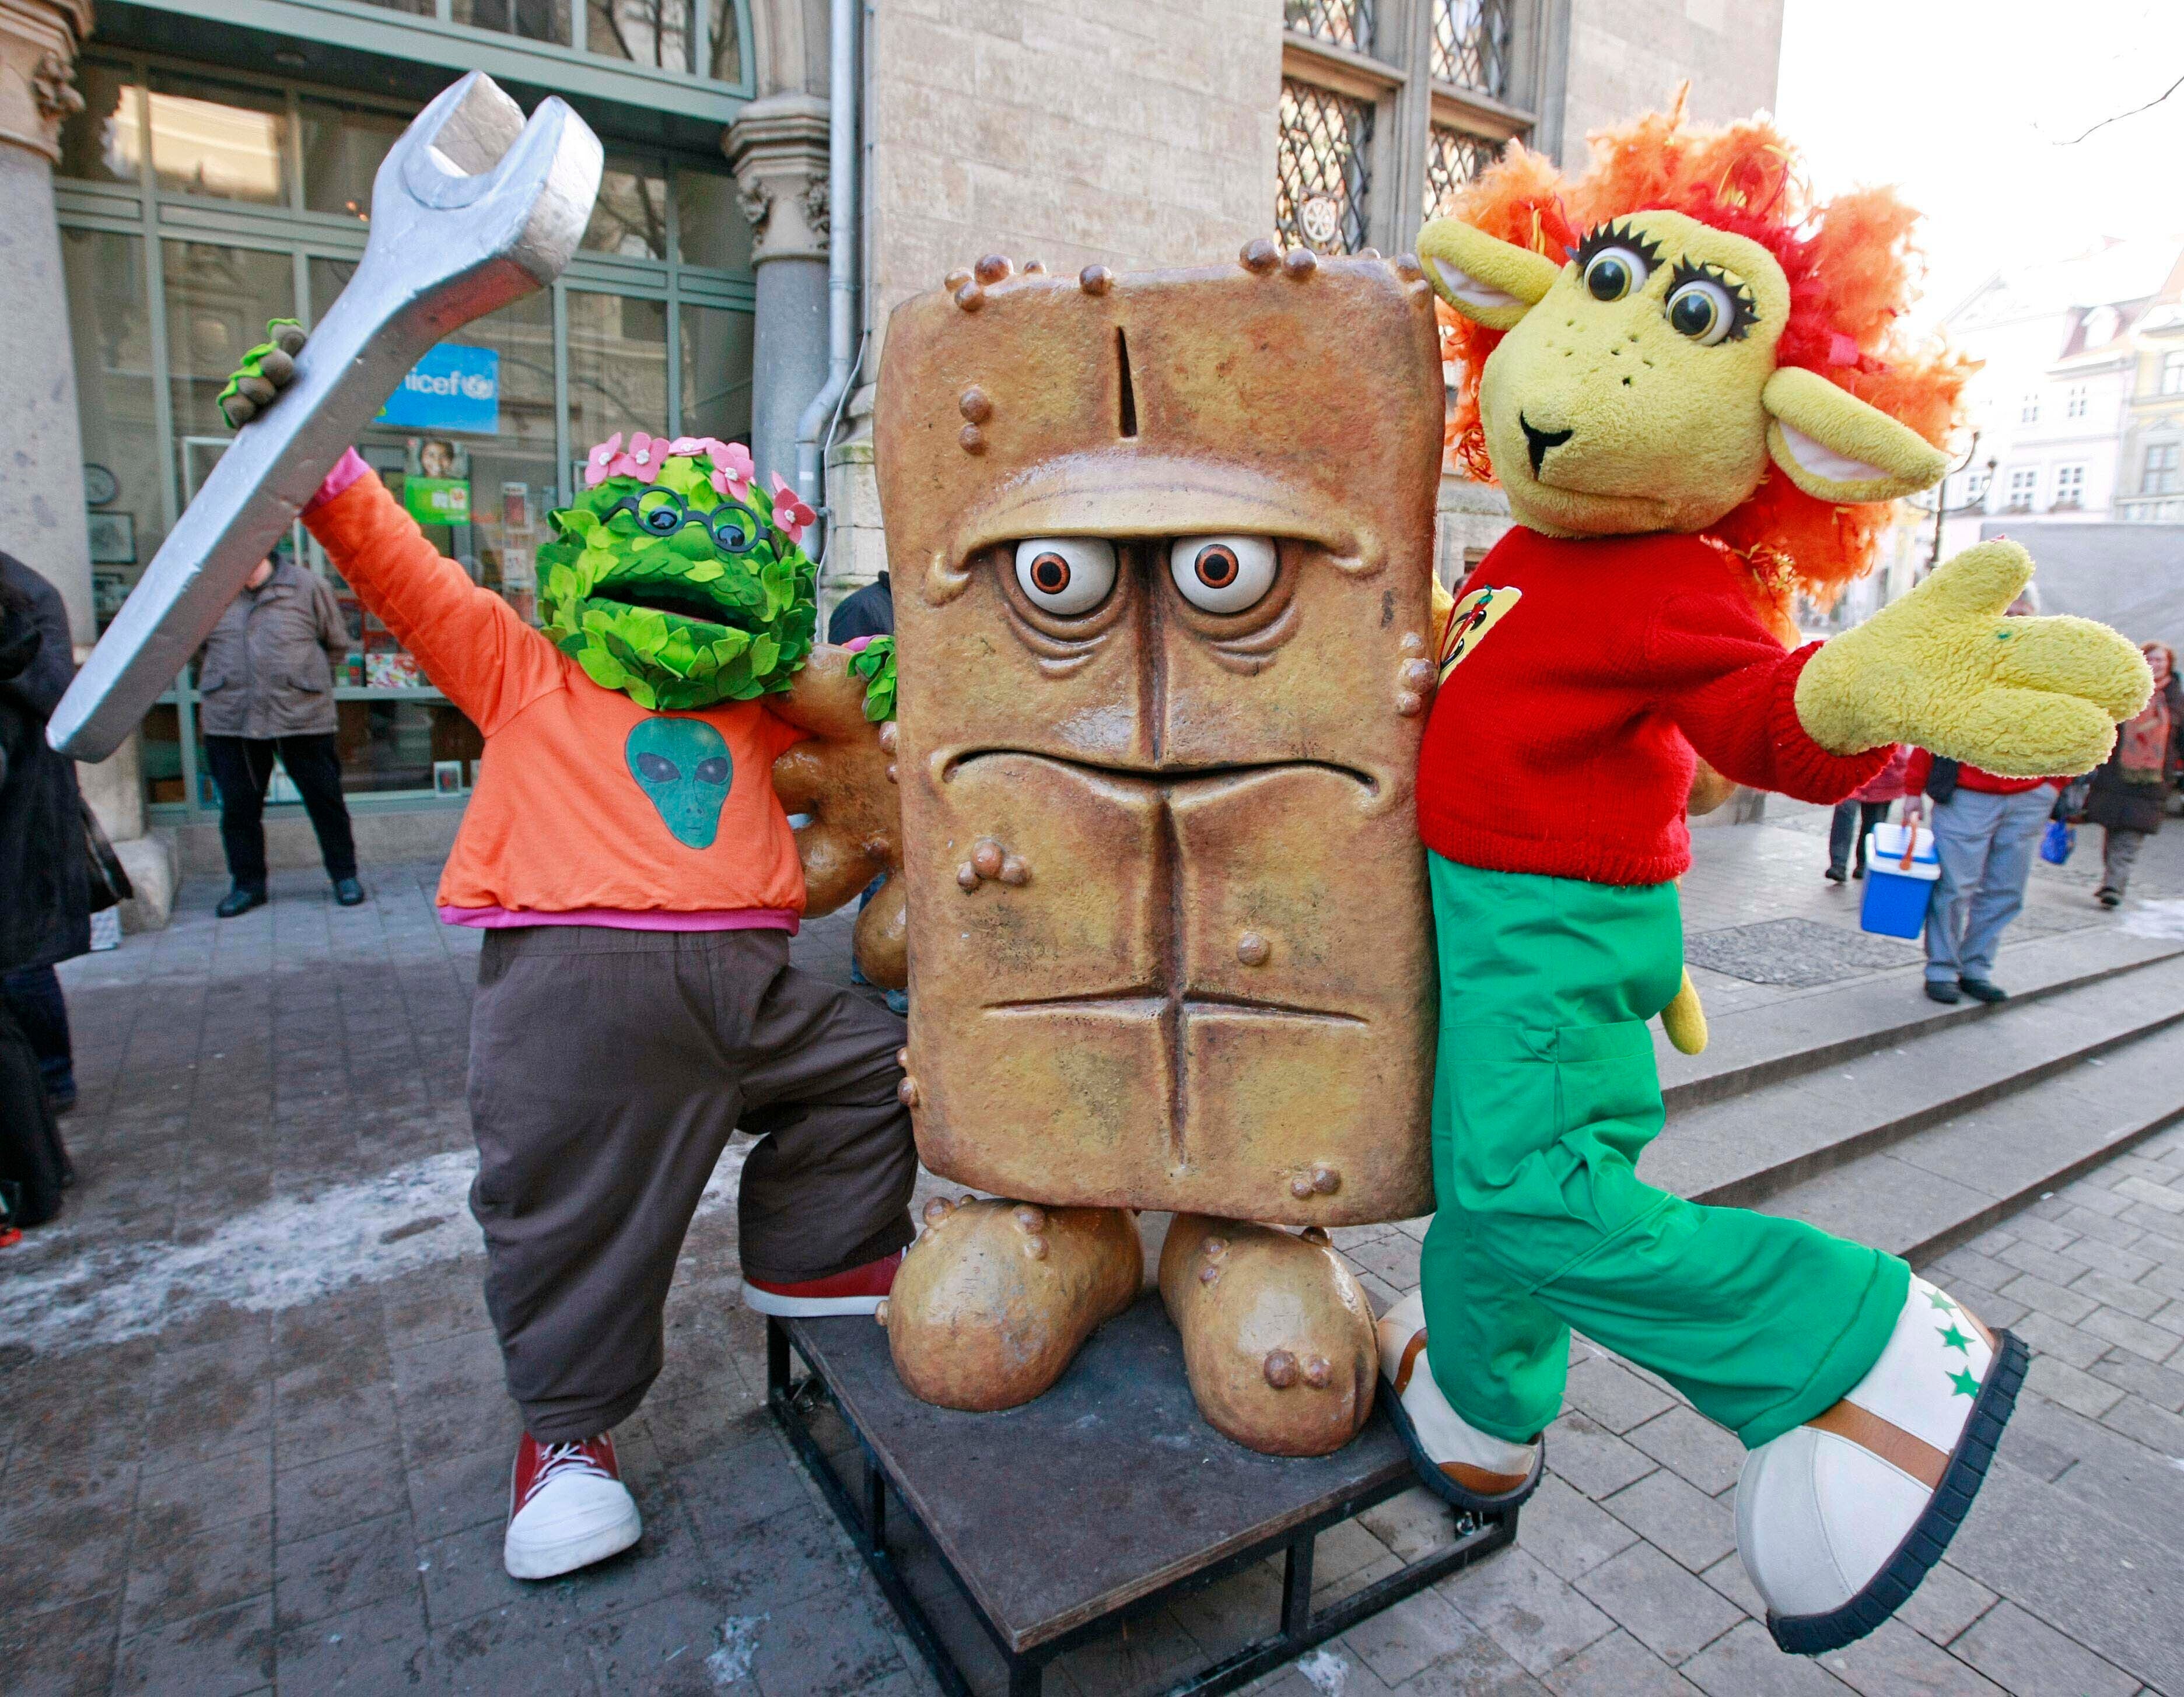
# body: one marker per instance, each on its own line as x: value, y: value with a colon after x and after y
x: 625, y: 919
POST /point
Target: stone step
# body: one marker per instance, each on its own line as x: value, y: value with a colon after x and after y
x: 1739, y: 1151
x: 1802, y: 1034
x: 1926, y: 1193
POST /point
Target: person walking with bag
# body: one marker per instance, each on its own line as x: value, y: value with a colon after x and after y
x: 2131, y: 786
x: 265, y: 681
x: 1855, y: 818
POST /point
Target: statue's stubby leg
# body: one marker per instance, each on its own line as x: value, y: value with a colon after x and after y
x: 1277, y: 1333
x: 995, y: 1298
x: 1546, y: 1094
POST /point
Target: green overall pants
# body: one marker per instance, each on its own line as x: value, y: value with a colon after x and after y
x: 1544, y: 1092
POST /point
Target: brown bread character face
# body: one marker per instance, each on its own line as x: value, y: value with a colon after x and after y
x: 1161, y: 547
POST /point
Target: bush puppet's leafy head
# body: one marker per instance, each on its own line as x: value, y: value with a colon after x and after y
x: 677, y: 580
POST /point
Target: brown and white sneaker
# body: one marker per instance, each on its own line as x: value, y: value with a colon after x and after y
x: 1839, y: 1519
x: 1458, y: 1462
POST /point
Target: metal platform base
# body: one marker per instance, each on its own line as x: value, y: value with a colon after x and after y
x: 1096, y: 1504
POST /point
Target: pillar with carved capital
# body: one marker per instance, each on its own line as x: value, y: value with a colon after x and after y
x: 777, y: 148
x: 41, y: 512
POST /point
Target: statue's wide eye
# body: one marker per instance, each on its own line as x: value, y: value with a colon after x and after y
x: 1702, y: 310
x: 1222, y: 574
x: 1614, y: 272
x: 1066, y: 575
x: 659, y: 512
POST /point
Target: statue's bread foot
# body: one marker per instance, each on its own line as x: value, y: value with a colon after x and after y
x: 1277, y: 1337
x: 995, y: 1297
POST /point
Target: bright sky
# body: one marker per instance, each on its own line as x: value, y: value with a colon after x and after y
x: 1962, y: 103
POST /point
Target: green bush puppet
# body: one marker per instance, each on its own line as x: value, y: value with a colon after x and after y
x: 628, y: 854
x: 1683, y: 374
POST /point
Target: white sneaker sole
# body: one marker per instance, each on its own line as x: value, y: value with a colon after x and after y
x: 808, y: 1307
x: 545, y: 1560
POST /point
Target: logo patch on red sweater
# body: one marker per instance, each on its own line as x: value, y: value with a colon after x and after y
x: 1469, y: 622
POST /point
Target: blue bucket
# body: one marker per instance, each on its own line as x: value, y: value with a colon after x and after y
x: 1896, y: 892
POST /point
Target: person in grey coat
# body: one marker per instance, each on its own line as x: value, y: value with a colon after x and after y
x: 265, y: 681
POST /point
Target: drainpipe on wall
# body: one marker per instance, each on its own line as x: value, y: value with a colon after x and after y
x: 842, y: 206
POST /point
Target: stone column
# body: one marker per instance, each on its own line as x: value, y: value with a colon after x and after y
x: 41, y: 512
x: 777, y: 148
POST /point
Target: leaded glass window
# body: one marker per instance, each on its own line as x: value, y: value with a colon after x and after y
x: 1321, y: 176
x: 1471, y: 44
x: 1346, y: 23
x: 1452, y: 159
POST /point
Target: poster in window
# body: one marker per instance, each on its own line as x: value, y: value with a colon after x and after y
x: 112, y: 538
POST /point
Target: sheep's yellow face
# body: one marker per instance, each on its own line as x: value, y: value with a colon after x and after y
x: 1629, y: 398
x: 1636, y: 387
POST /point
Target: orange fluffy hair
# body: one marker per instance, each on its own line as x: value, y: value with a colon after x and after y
x: 1851, y: 271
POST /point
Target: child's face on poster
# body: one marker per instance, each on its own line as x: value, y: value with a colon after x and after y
x: 436, y: 459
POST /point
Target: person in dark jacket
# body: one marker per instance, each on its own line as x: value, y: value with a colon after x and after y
x: 265, y: 680
x: 45, y: 877
x: 2132, y: 784
x: 868, y: 612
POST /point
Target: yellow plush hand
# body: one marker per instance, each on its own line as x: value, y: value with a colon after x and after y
x: 1944, y: 669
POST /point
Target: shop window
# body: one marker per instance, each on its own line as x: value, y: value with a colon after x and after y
x: 1322, y: 170
x: 344, y: 147
x: 1471, y: 44
x: 217, y: 140
x: 654, y: 32
x: 110, y: 327
x: 102, y: 142
x: 535, y: 20
x: 629, y: 217
x: 717, y: 376
x: 218, y: 298
x: 617, y: 366
x: 708, y: 222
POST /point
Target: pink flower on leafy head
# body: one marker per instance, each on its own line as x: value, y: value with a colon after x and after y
x: 732, y: 469
x: 791, y: 517
x: 646, y: 455
x: 600, y: 463
x: 689, y: 445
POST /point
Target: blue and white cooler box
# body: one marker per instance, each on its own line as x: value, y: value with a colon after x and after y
x: 1898, y: 889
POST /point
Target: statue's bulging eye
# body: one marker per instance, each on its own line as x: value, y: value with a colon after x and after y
x: 1614, y: 272
x: 1222, y: 574
x: 659, y: 769
x: 1066, y: 575
x: 714, y: 771
x: 1702, y: 310
x: 659, y: 512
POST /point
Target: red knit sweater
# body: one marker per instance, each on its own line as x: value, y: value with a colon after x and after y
x: 1561, y: 742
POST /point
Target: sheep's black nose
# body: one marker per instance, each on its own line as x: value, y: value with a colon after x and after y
x: 1538, y: 442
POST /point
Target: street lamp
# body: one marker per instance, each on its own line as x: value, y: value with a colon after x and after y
x: 1942, y: 510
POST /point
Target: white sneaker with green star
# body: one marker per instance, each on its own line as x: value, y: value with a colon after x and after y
x: 1840, y: 1520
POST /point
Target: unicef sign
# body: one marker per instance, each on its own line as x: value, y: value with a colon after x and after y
x: 453, y: 388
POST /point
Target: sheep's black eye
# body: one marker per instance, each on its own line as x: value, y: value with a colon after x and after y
x: 1614, y: 272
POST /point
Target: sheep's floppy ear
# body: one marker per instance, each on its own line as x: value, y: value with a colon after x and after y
x: 1489, y: 280
x: 1837, y: 448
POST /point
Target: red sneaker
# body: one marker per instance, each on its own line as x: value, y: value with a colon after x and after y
x: 858, y: 1291
x: 567, y: 1508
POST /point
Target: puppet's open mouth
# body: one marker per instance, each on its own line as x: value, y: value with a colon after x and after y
x: 677, y: 600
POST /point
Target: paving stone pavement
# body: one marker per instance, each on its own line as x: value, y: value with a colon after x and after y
x: 253, y: 1436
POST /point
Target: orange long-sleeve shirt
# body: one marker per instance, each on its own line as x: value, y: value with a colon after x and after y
x: 587, y: 809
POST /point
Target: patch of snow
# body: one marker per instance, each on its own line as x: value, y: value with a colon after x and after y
x: 731, y: 1662
x: 292, y: 1250
x: 2163, y: 920
x: 1325, y: 1671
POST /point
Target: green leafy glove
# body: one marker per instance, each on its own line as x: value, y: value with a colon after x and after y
x: 266, y: 369
x: 875, y: 664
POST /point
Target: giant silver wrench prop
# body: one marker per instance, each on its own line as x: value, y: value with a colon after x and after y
x: 472, y: 209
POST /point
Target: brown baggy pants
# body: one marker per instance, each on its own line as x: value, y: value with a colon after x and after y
x: 607, y: 1069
